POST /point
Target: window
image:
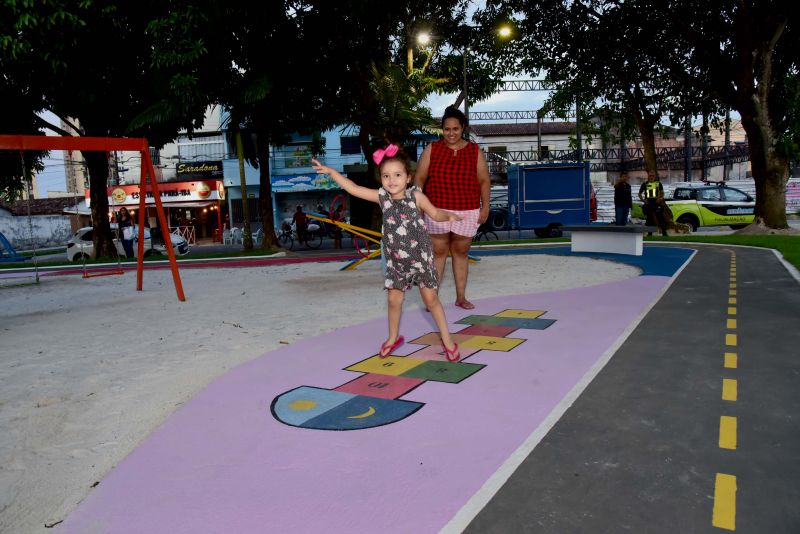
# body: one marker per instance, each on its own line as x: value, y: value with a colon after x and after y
x: 734, y: 195
x: 201, y: 148
x: 350, y: 145
x: 709, y: 194
x: 682, y: 194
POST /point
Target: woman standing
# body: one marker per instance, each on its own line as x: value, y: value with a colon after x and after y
x: 455, y: 177
x: 125, y: 225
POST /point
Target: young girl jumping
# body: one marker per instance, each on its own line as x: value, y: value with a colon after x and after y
x: 406, y: 244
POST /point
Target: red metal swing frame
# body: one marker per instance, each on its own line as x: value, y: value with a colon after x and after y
x: 108, y: 144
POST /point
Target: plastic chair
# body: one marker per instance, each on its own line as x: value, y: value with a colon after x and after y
x: 236, y: 235
x: 257, y: 236
x: 227, y: 237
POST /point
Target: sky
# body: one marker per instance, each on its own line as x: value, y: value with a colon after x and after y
x: 53, y: 177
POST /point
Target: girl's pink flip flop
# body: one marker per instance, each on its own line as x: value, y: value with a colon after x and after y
x: 387, y: 350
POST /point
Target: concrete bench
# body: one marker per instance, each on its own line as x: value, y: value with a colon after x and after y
x: 608, y: 238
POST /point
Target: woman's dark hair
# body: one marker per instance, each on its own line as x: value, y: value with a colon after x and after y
x: 452, y: 112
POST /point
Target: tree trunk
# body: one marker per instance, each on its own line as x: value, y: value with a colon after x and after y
x: 645, y: 123
x: 758, y: 33
x: 97, y: 164
x: 363, y: 213
x: 770, y: 170
x: 265, y: 207
x: 247, y: 232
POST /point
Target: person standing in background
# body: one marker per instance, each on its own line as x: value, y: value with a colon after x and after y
x: 622, y: 199
x: 300, y: 220
x: 125, y: 225
x: 651, y: 193
x: 453, y: 173
x: 336, y: 231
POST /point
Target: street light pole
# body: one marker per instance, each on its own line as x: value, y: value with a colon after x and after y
x: 466, y: 95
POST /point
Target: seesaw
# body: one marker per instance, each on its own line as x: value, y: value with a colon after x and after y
x: 365, y: 234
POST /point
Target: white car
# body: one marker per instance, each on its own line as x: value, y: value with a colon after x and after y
x: 80, y: 244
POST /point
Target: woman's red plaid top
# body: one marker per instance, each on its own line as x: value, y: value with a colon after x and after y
x: 452, y: 182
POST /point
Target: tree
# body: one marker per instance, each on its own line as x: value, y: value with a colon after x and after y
x: 745, y: 53
x: 678, y: 58
x: 592, y: 55
x: 103, y: 86
x: 20, y: 29
x: 360, y: 65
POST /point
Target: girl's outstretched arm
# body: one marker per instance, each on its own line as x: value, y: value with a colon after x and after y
x: 347, y: 184
x: 438, y: 215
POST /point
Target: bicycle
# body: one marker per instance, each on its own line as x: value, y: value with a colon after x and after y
x: 285, y: 238
x: 485, y: 233
x: 313, y: 237
x: 314, y: 234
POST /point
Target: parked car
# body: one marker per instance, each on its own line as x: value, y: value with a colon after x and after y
x: 80, y: 245
x: 707, y: 204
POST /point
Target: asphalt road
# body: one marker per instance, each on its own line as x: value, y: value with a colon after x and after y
x: 691, y: 408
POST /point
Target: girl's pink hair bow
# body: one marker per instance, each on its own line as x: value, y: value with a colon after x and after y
x: 379, y: 154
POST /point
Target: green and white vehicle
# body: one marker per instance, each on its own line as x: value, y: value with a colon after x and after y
x: 707, y: 204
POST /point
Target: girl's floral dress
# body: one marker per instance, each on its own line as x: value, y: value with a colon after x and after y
x: 407, y: 246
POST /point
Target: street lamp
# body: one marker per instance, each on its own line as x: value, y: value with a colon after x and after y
x: 503, y: 32
x: 424, y: 38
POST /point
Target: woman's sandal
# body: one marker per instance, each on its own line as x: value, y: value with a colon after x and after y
x: 387, y: 350
x: 452, y: 355
x: 467, y: 305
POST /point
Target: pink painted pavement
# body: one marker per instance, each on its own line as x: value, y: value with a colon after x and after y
x: 222, y: 463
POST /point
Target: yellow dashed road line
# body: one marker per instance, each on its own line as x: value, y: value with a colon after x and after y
x: 729, y: 389
x: 724, y: 514
x: 727, y: 432
x: 724, y: 502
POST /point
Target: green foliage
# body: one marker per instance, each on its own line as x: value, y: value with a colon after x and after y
x: 399, y: 104
x: 788, y: 246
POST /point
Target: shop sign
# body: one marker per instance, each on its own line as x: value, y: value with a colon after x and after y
x: 170, y: 192
x: 199, y: 170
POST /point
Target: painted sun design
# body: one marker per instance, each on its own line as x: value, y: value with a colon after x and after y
x: 303, y: 405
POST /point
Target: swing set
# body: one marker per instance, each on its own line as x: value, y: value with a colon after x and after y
x: 147, y: 183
